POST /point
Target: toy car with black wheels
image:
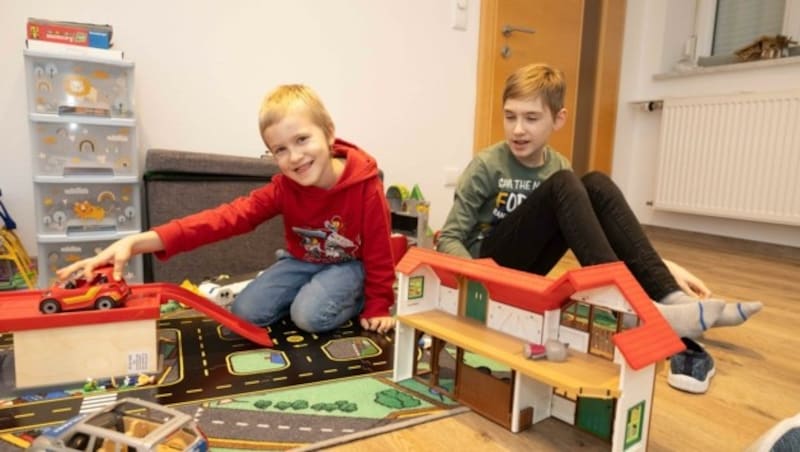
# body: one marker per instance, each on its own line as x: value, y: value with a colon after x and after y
x: 129, y: 424
x: 98, y: 291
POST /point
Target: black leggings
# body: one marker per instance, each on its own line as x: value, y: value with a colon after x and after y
x: 588, y: 215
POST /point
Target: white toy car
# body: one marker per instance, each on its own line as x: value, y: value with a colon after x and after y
x: 127, y: 425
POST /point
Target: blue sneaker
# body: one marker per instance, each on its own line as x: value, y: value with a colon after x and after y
x: 691, y: 370
x: 783, y: 437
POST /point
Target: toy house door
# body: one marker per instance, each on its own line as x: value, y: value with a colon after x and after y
x: 477, y: 301
x: 596, y: 416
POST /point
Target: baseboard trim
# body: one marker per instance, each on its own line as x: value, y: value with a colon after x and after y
x: 702, y: 240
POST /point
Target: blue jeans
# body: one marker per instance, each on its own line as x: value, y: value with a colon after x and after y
x: 318, y: 297
x: 588, y: 215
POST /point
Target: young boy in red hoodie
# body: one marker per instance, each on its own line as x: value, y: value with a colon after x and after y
x: 337, y: 261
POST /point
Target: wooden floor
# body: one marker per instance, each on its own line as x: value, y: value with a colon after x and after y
x: 758, y: 366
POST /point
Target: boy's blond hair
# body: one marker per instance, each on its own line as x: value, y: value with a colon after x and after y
x: 537, y: 79
x: 285, y: 98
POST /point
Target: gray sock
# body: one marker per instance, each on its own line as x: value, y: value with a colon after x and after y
x: 691, y: 319
x: 734, y: 313
x: 738, y: 313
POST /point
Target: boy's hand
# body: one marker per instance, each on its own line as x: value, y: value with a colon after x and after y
x: 379, y: 324
x: 687, y: 281
x: 118, y: 253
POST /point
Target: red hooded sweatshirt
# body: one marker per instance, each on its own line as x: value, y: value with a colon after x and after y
x: 349, y: 221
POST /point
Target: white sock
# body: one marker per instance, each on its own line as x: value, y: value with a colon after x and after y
x: 734, y: 313
x: 691, y: 319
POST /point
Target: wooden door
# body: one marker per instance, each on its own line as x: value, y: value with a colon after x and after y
x: 583, y: 39
x: 484, y: 393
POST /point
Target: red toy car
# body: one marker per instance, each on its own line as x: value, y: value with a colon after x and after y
x: 100, y: 291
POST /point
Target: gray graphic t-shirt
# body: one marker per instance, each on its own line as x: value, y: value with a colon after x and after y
x: 492, y: 186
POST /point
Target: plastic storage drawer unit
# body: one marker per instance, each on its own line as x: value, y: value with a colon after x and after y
x: 55, y: 255
x: 64, y: 86
x: 74, y: 146
x: 84, y: 207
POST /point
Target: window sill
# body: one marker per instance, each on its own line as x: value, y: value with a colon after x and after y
x: 735, y: 67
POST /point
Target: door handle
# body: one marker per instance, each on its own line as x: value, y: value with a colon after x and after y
x: 508, y: 29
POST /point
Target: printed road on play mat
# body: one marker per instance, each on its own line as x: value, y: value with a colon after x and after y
x: 304, y: 415
x: 308, y: 389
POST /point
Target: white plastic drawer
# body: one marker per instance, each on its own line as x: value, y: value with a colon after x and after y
x: 63, y: 86
x: 79, y: 148
x: 53, y: 256
x: 87, y: 208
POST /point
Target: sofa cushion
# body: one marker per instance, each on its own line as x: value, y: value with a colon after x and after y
x: 179, y: 183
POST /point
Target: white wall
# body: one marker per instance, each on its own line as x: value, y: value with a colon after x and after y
x: 397, y: 79
x: 654, y: 34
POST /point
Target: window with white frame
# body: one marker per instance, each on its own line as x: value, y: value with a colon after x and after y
x: 724, y: 26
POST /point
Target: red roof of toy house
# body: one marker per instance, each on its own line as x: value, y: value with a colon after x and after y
x: 652, y: 341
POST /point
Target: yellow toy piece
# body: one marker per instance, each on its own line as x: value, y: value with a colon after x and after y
x: 11, y: 250
x: 190, y: 286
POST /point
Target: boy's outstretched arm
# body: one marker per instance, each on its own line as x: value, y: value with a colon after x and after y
x: 118, y: 253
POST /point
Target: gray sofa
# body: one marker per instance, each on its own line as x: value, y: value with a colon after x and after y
x: 178, y: 183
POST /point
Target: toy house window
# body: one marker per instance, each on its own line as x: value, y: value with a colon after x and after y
x: 628, y: 321
x: 633, y: 424
x: 604, y: 325
x: 603, y: 318
x: 416, y: 287
x: 576, y: 315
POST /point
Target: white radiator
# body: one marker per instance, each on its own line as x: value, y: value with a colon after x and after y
x: 734, y: 156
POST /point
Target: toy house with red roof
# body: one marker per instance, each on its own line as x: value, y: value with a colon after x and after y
x: 473, y: 318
